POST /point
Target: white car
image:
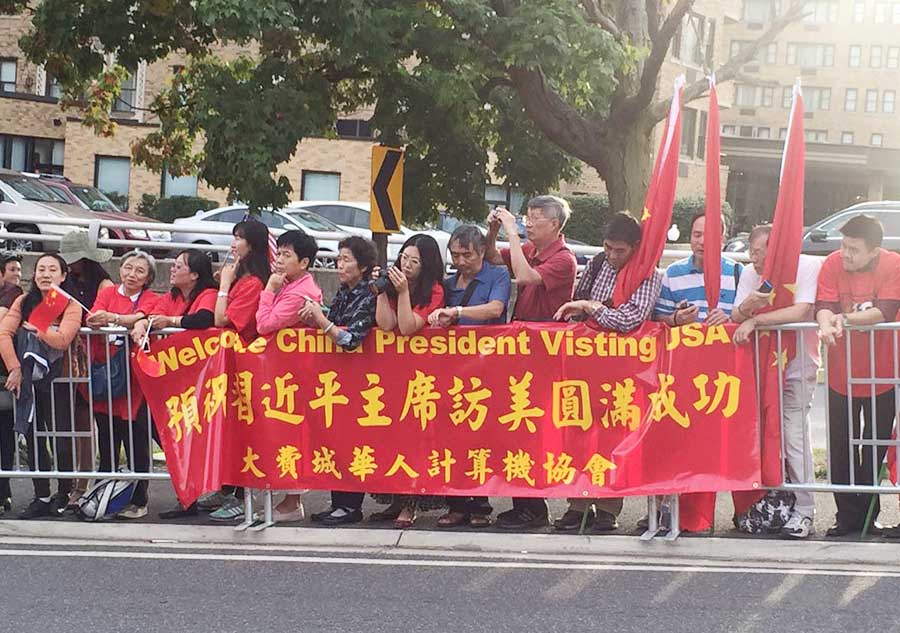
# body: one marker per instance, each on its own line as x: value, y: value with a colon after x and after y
x: 326, y: 233
x: 354, y: 217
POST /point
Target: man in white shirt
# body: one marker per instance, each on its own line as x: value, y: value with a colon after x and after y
x: 800, y: 373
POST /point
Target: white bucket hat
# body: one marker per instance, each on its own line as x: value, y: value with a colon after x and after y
x: 76, y: 245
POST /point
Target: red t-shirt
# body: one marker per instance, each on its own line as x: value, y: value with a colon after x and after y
x: 855, y: 292
x: 168, y: 306
x: 243, y: 301
x: 436, y: 301
x: 557, y: 267
x: 111, y: 300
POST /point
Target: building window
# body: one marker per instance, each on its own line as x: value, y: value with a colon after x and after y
x: 816, y: 136
x: 28, y: 153
x: 786, y: 96
x: 747, y: 96
x: 875, y: 57
x: 855, y: 56
x: 880, y: 12
x: 850, y: 100
x: 859, y: 12
x: 895, y: 13
x: 729, y: 130
x: 893, y: 56
x: 354, y: 128
x: 782, y: 133
x: 877, y: 140
x: 692, y: 42
x: 52, y: 87
x: 810, y: 55
x: 178, y: 185
x: 688, y: 132
x: 871, y: 101
x: 847, y: 138
x: 763, y: 132
x: 7, y: 75
x: 820, y: 12
x: 112, y: 175
x: 320, y: 185
x: 815, y: 99
x: 128, y: 96
x: 760, y: 11
x: 765, y: 55
x: 746, y: 131
x: 887, y: 101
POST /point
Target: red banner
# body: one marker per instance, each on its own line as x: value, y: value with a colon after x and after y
x: 524, y: 409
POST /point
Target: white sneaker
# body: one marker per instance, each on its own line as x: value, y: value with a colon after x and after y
x: 798, y: 526
x: 133, y: 511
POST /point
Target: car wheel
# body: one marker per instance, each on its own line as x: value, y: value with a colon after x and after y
x: 24, y: 244
x: 325, y: 263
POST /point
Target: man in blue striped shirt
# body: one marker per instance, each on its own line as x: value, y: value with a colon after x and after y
x: 682, y: 298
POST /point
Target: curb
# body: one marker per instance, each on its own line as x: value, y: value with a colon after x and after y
x: 711, y: 550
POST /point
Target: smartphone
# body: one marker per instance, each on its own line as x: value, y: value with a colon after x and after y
x: 325, y: 308
x: 766, y: 287
x: 684, y: 304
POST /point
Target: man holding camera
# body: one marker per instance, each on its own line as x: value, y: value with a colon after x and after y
x: 544, y: 271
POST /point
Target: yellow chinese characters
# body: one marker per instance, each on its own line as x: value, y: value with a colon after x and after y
x: 216, y: 396
x: 286, y: 461
x: 441, y: 464
x: 474, y: 413
x: 723, y: 383
x: 285, y: 400
x: 518, y: 465
x: 184, y: 411
x: 250, y: 459
x: 662, y: 403
x: 559, y: 468
x: 373, y: 406
x: 624, y: 412
x: 421, y: 398
x: 327, y: 396
x: 597, y: 466
x: 572, y: 404
x: 520, y: 408
x: 243, y: 397
x: 401, y: 464
x: 480, y: 470
x: 363, y: 463
x: 323, y: 463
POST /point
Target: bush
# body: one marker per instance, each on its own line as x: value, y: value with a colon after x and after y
x: 117, y: 199
x: 590, y: 213
x: 167, y: 209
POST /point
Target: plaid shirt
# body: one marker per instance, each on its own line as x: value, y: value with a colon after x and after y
x: 354, y: 310
x: 628, y: 316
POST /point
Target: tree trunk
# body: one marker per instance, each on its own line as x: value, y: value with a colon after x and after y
x: 627, y: 173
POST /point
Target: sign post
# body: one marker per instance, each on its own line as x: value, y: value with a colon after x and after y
x: 386, y: 199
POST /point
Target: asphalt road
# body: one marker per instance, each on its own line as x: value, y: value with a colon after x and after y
x: 61, y: 588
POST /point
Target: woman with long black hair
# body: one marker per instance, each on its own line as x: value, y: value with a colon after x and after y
x: 27, y: 380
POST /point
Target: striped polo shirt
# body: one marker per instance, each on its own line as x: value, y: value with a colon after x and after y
x: 682, y: 281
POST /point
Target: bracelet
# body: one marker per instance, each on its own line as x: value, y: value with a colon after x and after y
x: 458, y: 312
x: 675, y: 317
x: 328, y: 327
x: 116, y: 319
x: 222, y: 293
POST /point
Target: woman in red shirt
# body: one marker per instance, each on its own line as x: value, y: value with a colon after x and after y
x: 241, y: 282
x: 415, y: 288
x: 119, y: 424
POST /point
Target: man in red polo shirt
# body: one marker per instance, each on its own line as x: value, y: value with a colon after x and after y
x: 859, y: 285
x: 544, y: 272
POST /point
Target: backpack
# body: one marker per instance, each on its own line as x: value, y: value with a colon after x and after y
x: 768, y: 515
x: 105, y: 499
x: 110, y: 377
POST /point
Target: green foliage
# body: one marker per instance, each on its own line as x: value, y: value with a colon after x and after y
x: 147, y: 205
x: 590, y: 213
x: 167, y: 209
x: 117, y: 199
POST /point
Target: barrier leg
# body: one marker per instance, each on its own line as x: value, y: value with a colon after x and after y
x: 653, y: 526
x: 248, y: 511
x: 268, y: 519
x: 675, y: 521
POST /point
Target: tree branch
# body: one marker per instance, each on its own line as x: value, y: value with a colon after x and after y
x: 730, y: 69
x: 631, y: 107
x: 596, y: 16
x: 652, y: 9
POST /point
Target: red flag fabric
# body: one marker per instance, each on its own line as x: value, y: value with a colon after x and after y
x: 657, y: 215
x: 148, y: 365
x: 781, y: 271
x: 712, y: 239
x: 48, y: 310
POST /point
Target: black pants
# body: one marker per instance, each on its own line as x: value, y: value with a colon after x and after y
x: 55, y: 418
x: 7, y: 451
x: 470, y: 505
x: 536, y: 506
x: 112, y: 436
x: 853, y: 507
x: 351, y: 500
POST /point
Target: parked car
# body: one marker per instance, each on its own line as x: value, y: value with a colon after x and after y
x: 824, y: 236
x: 26, y: 195
x: 740, y: 243
x: 92, y: 199
x: 354, y: 218
x: 322, y: 229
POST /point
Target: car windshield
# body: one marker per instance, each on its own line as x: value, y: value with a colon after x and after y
x: 313, y: 222
x: 30, y: 189
x: 94, y: 198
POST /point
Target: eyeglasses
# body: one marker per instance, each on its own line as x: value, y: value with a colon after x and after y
x: 412, y: 261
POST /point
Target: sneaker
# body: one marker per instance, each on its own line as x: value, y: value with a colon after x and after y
x: 58, y: 504
x: 211, y: 501
x: 343, y: 516
x: 5, y: 505
x: 133, y: 511
x: 573, y: 520
x: 798, y: 526
x: 517, y: 519
x: 35, y: 510
x: 231, y: 510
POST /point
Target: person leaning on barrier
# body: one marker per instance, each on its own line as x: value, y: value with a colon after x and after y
x: 476, y: 294
x: 800, y: 374
x: 33, y: 362
x: 593, y: 299
x: 408, y: 292
x: 11, y: 272
x: 289, y: 288
x: 349, y: 319
x: 118, y: 424
x: 544, y: 270
x: 858, y: 285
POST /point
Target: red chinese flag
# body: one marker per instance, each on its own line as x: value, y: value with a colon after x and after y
x: 657, y: 216
x: 147, y: 364
x: 712, y: 240
x: 781, y: 271
x: 48, y: 310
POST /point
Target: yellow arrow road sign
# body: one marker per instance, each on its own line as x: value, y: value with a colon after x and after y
x: 387, y: 189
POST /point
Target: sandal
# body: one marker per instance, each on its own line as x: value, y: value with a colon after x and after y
x: 390, y: 513
x: 479, y: 520
x: 453, y: 519
x: 402, y: 523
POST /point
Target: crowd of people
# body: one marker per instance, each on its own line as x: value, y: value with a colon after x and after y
x: 858, y: 285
